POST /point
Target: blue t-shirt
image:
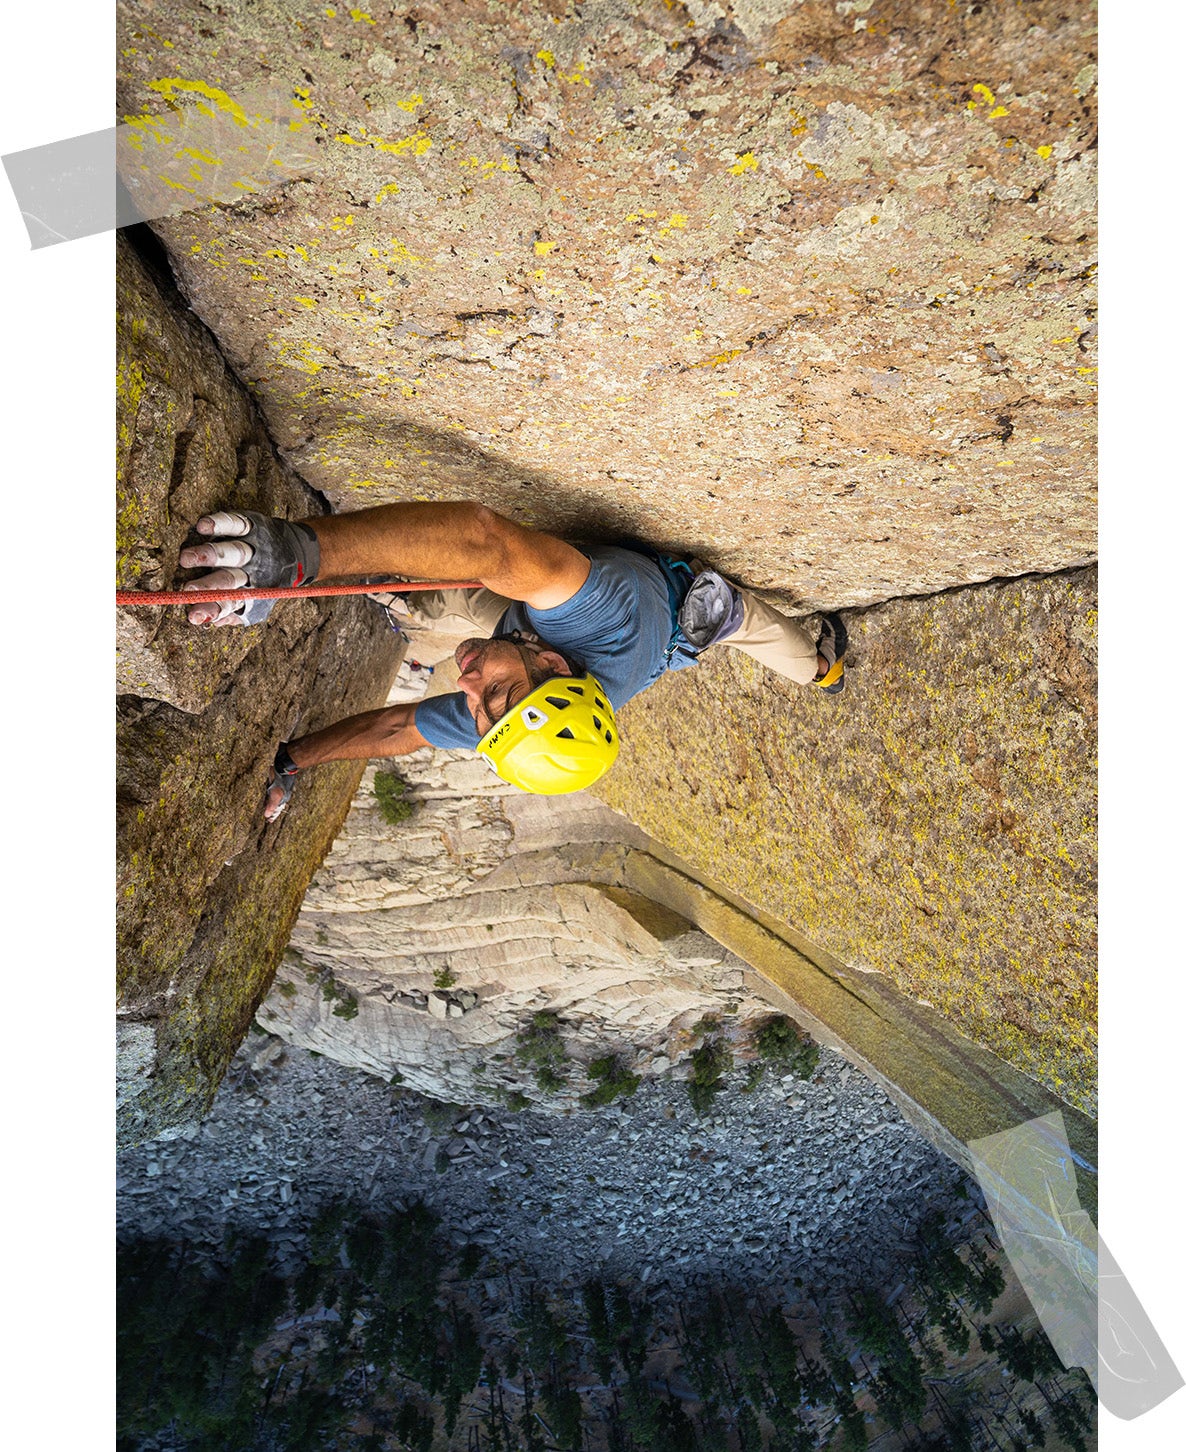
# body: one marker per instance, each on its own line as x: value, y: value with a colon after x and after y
x: 617, y: 626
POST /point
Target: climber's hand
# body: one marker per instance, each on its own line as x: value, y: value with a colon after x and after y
x: 284, y: 775
x: 247, y: 550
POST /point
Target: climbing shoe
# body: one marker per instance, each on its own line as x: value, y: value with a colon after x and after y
x: 832, y: 643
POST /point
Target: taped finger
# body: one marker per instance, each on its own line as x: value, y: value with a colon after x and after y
x: 220, y: 552
x: 229, y: 614
x: 217, y: 612
x: 219, y: 580
x: 225, y: 522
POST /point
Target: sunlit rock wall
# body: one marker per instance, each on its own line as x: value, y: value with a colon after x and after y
x: 935, y: 823
x: 804, y: 287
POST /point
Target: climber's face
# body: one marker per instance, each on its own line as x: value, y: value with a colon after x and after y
x: 496, y: 674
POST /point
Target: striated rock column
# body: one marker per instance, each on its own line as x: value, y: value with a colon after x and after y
x: 424, y: 949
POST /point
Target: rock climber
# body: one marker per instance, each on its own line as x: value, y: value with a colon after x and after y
x: 557, y: 639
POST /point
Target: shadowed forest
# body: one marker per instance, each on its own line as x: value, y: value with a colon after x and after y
x: 380, y: 1339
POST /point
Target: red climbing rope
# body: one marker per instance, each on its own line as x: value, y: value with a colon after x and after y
x: 294, y: 592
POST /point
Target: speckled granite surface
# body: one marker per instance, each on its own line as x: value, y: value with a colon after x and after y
x: 806, y: 288
x: 935, y: 822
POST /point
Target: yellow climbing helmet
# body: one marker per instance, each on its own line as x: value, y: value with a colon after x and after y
x: 560, y: 738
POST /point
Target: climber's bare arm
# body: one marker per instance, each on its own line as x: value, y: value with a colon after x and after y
x: 389, y: 731
x: 462, y: 541
x: 456, y: 541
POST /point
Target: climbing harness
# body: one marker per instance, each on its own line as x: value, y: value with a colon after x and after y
x: 705, y: 607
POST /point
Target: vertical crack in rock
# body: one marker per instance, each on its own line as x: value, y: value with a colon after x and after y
x: 207, y: 892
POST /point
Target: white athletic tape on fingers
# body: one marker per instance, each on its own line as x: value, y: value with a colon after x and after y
x: 230, y: 552
x: 224, y: 523
x: 219, y: 580
x: 226, y: 610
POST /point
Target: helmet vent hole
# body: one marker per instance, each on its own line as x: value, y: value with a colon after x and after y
x: 597, y: 726
x: 533, y: 718
x: 600, y: 704
x: 575, y: 689
x: 566, y: 734
x: 558, y: 701
x: 609, y: 738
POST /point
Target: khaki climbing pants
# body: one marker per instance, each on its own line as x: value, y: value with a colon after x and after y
x: 778, y: 642
x: 437, y: 621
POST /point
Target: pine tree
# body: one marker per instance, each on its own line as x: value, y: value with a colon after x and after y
x: 598, y: 1323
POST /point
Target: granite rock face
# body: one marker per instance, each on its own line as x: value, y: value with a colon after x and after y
x: 806, y: 288
x: 424, y: 950
x: 207, y: 891
x: 934, y: 823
